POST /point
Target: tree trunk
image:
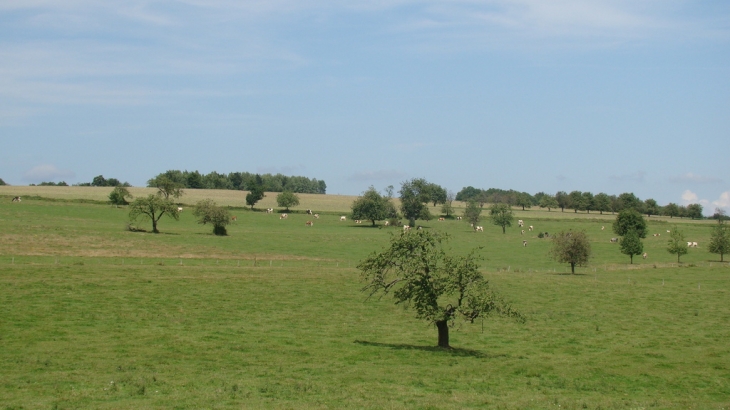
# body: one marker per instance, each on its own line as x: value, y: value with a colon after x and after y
x: 443, y: 328
x: 154, y: 226
x: 631, y: 258
x: 572, y: 267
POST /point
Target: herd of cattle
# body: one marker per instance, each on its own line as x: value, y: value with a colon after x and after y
x: 407, y: 228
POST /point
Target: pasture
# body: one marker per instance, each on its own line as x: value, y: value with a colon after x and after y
x: 271, y: 316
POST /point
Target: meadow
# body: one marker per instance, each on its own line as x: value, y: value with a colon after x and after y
x: 272, y: 316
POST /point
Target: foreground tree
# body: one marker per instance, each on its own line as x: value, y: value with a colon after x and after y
x: 119, y: 196
x: 439, y: 288
x: 372, y: 206
x: 472, y: 213
x: 720, y: 240
x: 571, y: 247
x: 631, y: 245
x: 676, y: 244
x: 254, y: 195
x: 414, y: 197
x: 208, y: 212
x: 153, y: 207
x: 287, y: 199
x: 501, y: 215
x: 627, y: 220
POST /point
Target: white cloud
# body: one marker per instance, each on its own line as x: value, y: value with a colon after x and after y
x: 724, y: 201
x: 46, y: 173
x: 689, y: 197
x: 693, y: 178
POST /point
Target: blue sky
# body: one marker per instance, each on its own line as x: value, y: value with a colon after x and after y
x: 533, y: 95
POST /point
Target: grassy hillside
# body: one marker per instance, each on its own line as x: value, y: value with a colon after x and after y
x: 271, y: 316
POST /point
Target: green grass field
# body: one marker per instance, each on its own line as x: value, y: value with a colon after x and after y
x: 271, y: 316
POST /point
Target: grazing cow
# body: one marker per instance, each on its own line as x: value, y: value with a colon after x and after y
x: 309, y: 212
x: 16, y: 199
x: 179, y: 209
x: 524, y: 243
x: 342, y: 218
x: 442, y: 219
x: 269, y: 210
x: 694, y: 244
x: 387, y: 223
x: 283, y: 216
x: 603, y: 227
x: 479, y: 229
x: 406, y: 228
x: 657, y: 234
x: 614, y: 240
x: 520, y: 223
x: 531, y: 228
x: 458, y: 218
x: 668, y: 231
x: 644, y: 255
x: 309, y: 223
x: 316, y: 216
x: 234, y: 218
x: 523, y: 232
x: 357, y: 221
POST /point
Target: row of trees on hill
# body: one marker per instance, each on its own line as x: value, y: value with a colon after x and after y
x: 579, y: 201
x: 245, y: 181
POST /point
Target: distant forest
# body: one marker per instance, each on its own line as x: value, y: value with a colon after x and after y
x: 243, y: 181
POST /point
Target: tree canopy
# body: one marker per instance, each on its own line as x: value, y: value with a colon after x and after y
x: 153, y: 207
x: 119, y: 196
x: 254, y: 195
x: 208, y: 212
x: 439, y: 288
x: 472, y: 213
x: 372, y: 206
x: 720, y: 240
x: 244, y: 181
x: 501, y: 215
x: 287, y: 199
x: 571, y: 247
x: 627, y: 220
x: 631, y: 245
x: 415, y: 194
x: 676, y: 244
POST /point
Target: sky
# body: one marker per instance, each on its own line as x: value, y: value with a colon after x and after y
x: 531, y: 95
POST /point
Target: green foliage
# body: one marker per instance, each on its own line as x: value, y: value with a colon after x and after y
x: 548, y: 201
x: 166, y: 186
x: 372, y: 206
x: 99, y: 180
x: 153, y: 207
x: 630, y: 220
x: 207, y: 212
x: 414, y: 197
x: 245, y: 181
x: 287, y: 199
x: 602, y: 202
x: 671, y: 210
x: 255, y: 194
x: 631, y: 245
x: 119, y: 196
x: 720, y: 240
x: 472, y: 213
x: 571, y: 247
x: 501, y: 215
x: 2, y: 182
x: 439, y: 288
x: 694, y: 211
x: 677, y: 244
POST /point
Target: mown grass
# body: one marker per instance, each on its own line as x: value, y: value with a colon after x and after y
x: 94, y: 316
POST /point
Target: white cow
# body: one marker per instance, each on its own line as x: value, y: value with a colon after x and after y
x: 644, y: 255
x: 523, y: 232
x: 614, y: 240
x: 342, y: 218
x: 283, y: 216
x: 387, y: 223
x: 357, y: 221
x: 458, y: 218
x: 269, y: 210
x: 524, y: 243
x: 520, y: 223
x: 406, y: 228
x: 16, y: 199
x: 309, y: 223
x: 480, y: 229
x: 442, y: 219
x: 603, y: 227
x: 694, y: 244
x: 179, y: 209
x: 531, y: 227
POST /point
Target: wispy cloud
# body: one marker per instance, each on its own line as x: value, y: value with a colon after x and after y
x: 379, y: 175
x: 724, y: 201
x: 46, y: 173
x: 637, y: 176
x: 694, y: 178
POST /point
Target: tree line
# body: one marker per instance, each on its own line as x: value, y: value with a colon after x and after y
x: 579, y: 201
x: 244, y: 181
